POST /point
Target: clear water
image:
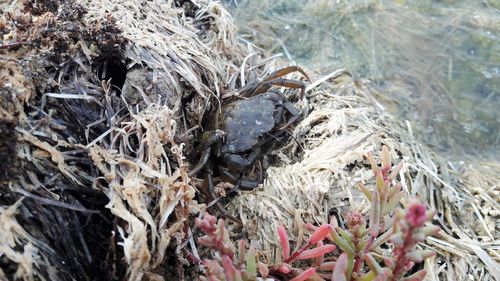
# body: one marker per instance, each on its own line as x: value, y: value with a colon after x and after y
x: 435, y: 63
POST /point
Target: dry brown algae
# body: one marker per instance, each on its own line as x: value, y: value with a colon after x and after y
x: 99, y: 104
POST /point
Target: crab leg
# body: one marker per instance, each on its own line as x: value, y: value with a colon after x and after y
x: 285, y: 71
x: 295, y: 84
x: 241, y: 182
x: 209, y: 138
x: 251, y: 89
x: 215, y: 199
x: 293, y: 111
x: 205, y: 156
x: 243, y: 162
x: 278, y: 97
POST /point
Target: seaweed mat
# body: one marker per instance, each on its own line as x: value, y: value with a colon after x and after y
x: 101, y: 101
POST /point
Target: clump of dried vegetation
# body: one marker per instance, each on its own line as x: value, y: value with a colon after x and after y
x: 362, y: 242
x: 99, y: 102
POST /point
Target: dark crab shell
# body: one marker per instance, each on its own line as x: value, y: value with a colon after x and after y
x: 247, y: 121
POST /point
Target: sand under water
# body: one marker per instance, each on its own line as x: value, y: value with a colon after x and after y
x: 434, y: 63
x: 101, y: 103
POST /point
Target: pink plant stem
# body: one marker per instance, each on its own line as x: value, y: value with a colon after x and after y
x: 358, y: 260
x: 319, y: 234
x: 400, y: 254
x: 357, y: 264
x: 295, y: 254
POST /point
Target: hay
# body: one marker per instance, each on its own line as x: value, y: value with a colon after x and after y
x: 342, y: 127
x: 88, y: 148
x: 100, y: 103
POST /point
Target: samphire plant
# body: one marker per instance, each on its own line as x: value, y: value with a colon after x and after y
x: 381, y: 245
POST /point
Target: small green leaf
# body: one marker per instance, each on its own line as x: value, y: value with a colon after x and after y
x: 370, y: 276
x: 365, y: 191
x: 395, y: 189
x: 386, y: 156
x: 418, y: 256
x: 373, y: 163
x: 251, y: 261
x: 346, y: 235
x: 373, y: 264
x: 395, y: 170
x: 381, y: 239
x: 350, y: 266
x: 393, y: 202
x: 417, y: 276
x: 431, y: 230
x: 397, y: 239
x: 375, y: 213
x: 342, y: 243
x: 380, y: 181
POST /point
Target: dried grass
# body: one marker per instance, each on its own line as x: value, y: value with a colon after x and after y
x: 88, y: 147
x: 97, y: 184
x: 342, y: 127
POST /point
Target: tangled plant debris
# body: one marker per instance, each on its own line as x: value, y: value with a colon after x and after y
x: 361, y: 241
x: 100, y: 102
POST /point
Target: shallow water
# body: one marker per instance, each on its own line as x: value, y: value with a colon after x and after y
x: 435, y: 63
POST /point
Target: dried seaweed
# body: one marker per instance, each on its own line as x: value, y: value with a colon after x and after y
x: 316, y: 176
x: 104, y: 181
x: 99, y: 105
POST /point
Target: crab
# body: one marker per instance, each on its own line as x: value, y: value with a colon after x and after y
x: 246, y: 128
